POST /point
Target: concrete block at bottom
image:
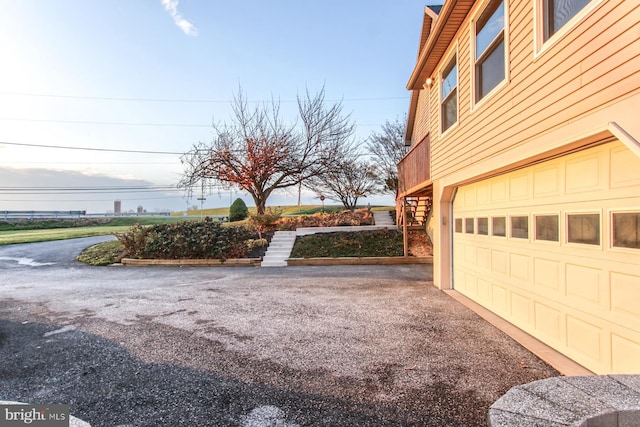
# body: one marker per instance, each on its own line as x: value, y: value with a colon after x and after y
x: 499, y: 418
x: 520, y: 401
x: 628, y: 418
x: 607, y: 390
x: 566, y: 396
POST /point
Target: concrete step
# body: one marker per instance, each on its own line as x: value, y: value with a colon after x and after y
x: 281, y: 244
x: 383, y: 218
x: 273, y: 264
x: 279, y: 249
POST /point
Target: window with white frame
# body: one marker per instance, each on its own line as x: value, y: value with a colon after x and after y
x: 626, y: 230
x: 449, y: 97
x: 583, y: 228
x: 489, y: 49
x: 557, y: 13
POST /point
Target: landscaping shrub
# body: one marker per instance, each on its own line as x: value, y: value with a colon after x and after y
x: 266, y: 222
x: 188, y: 239
x: 238, y: 210
x: 321, y: 219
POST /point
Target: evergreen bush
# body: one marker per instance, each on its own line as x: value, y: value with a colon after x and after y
x: 238, y: 210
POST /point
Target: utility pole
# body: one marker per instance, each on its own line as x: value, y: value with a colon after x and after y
x: 202, y: 199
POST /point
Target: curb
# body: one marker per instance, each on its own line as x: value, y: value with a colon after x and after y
x: 239, y: 262
x: 360, y: 261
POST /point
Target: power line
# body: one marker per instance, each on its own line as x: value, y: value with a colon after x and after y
x: 83, y: 122
x: 89, y: 200
x: 88, y: 122
x: 114, y: 150
x: 177, y: 100
x: 95, y: 188
x: 86, y: 163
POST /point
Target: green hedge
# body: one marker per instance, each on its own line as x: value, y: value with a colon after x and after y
x: 188, y: 239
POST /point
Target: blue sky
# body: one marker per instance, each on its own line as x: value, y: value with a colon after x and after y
x: 151, y: 75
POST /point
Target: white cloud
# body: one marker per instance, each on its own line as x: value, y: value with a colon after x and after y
x: 187, y: 27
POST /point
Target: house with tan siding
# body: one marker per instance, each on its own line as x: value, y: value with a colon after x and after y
x: 524, y: 126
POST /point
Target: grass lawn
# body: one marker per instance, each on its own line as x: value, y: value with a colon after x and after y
x: 372, y: 243
x: 42, y: 231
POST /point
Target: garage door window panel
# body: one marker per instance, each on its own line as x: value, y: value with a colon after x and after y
x: 499, y: 226
x: 468, y: 225
x: 626, y: 230
x: 547, y: 228
x: 483, y: 226
x: 583, y: 228
x: 520, y: 227
x: 458, y: 225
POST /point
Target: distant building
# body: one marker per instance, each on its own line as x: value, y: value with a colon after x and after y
x: 117, y: 207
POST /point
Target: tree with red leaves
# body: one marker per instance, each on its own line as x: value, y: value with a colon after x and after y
x: 260, y: 153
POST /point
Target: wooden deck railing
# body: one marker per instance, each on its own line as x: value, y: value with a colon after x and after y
x: 414, y: 169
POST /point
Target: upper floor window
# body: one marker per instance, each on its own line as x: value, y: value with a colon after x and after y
x: 449, y: 97
x: 557, y: 13
x: 489, y: 49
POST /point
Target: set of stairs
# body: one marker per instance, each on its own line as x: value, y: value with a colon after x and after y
x: 383, y: 218
x: 416, y: 211
x: 279, y: 249
x: 282, y: 242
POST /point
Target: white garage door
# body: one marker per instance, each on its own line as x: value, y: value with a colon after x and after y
x: 555, y: 249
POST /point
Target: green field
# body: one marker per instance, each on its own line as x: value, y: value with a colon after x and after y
x: 42, y: 231
x: 45, y: 230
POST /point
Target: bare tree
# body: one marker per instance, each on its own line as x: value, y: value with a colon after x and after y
x: 260, y: 153
x: 347, y: 182
x: 388, y: 148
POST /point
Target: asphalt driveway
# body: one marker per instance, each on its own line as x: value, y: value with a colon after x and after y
x: 292, y: 346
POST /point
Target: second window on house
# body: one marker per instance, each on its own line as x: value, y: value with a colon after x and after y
x: 449, y: 90
x: 557, y: 13
x: 490, y: 49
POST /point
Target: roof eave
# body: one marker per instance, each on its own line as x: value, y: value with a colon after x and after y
x: 441, y: 35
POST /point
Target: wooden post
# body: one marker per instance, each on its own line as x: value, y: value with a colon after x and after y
x: 405, y: 235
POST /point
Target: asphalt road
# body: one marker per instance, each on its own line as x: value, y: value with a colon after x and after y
x: 294, y: 346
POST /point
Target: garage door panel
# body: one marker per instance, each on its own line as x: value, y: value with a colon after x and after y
x: 584, y: 283
x: 499, y: 262
x: 521, y: 308
x: 625, y: 353
x: 500, y: 299
x: 484, y: 290
x: 581, y: 298
x: 623, y: 161
x: 625, y: 295
x: 519, y: 266
x: 548, y: 321
x: 584, y: 173
x: 547, y: 274
x: 547, y: 182
x: 585, y: 338
x: 519, y: 187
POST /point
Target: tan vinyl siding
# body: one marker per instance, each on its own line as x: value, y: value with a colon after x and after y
x: 595, y: 63
x: 421, y: 126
